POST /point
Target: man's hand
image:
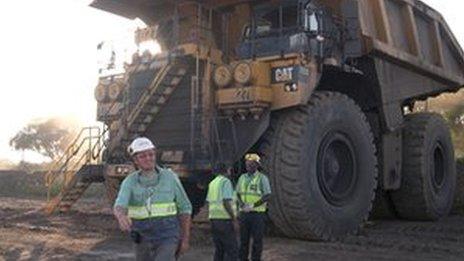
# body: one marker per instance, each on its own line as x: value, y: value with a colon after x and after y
x: 125, y: 223
x: 184, y: 245
x: 185, y: 223
x: 247, y: 208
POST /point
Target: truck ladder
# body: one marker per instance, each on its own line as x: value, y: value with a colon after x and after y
x: 70, y: 174
x: 154, y: 97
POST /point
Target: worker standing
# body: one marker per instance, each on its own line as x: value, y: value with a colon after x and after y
x: 222, y: 214
x: 253, y: 192
x: 153, y: 206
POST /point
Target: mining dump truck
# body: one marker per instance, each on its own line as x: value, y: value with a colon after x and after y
x: 324, y: 91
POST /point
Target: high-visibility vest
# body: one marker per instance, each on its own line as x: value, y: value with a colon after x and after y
x: 215, y: 200
x: 152, y: 211
x: 251, y: 193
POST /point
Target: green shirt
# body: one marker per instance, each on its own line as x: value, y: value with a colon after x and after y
x: 264, y: 185
x: 162, y: 187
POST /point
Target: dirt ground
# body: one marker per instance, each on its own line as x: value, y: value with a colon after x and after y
x: 89, y: 232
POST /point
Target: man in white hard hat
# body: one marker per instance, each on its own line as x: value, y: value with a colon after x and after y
x: 253, y: 193
x: 153, y: 206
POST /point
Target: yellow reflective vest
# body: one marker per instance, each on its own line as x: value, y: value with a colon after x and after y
x: 215, y: 199
x: 251, y: 192
x: 152, y: 210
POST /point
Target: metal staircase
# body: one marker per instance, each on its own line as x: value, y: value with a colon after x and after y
x: 71, y: 174
x: 154, y: 97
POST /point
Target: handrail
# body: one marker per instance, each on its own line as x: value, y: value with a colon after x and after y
x: 147, y: 92
x: 70, y: 152
x: 70, y: 147
x: 63, y: 166
x: 99, y: 144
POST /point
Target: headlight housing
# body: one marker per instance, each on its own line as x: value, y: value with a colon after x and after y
x: 222, y: 76
x: 114, y: 91
x: 100, y: 92
x: 242, y: 73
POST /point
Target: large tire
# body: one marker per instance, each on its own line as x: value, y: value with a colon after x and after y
x: 428, y: 171
x: 308, y: 201
x: 458, y: 205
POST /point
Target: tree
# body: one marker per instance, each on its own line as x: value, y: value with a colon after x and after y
x: 49, y: 138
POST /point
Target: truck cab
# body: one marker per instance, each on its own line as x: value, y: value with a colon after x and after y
x: 279, y: 58
x: 290, y: 26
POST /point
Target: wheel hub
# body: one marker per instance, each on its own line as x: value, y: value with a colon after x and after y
x: 438, y: 167
x: 336, y: 168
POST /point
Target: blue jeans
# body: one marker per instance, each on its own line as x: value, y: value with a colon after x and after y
x: 158, y: 230
x: 159, y: 238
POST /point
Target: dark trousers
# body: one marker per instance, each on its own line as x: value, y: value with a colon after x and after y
x: 251, y: 226
x: 225, y: 240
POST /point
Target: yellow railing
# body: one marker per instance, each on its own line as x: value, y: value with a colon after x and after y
x: 85, y: 149
x: 148, y: 93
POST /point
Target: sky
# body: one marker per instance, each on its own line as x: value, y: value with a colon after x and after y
x: 48, y: 63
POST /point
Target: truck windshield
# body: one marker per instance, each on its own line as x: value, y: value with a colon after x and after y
x: 273, y: 21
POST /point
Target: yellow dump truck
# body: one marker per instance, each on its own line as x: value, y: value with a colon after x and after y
x: 324, y: 91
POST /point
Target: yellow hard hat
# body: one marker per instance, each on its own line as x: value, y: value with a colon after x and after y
x: 253, y: 157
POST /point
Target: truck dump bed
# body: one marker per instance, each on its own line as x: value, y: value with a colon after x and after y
x: 412, y: 33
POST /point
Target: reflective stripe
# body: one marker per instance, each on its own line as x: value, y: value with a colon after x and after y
x: 154, y: 210
x: 252, y: 193
x: 216, y: 209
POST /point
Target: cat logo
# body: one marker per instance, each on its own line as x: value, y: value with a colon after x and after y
x: 282, y: 74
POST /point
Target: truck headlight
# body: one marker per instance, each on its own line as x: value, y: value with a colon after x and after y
x: 114, y: 91
x: 222, y: 76
x: 242, y: 73
x: 100, y: 92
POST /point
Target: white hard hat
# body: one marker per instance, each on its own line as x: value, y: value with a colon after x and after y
x: 140, y: 144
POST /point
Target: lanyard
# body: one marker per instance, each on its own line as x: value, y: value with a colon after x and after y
x: 149, y: 190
